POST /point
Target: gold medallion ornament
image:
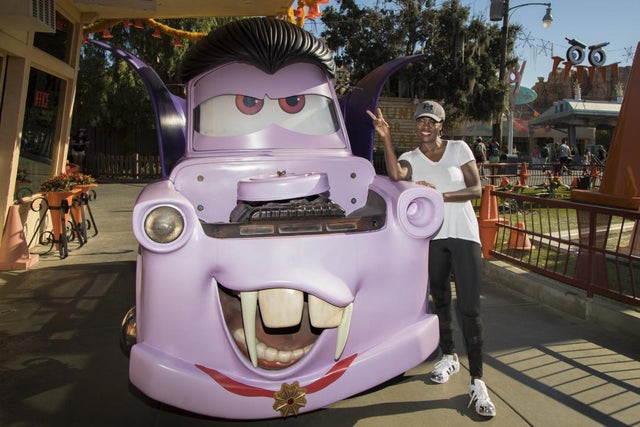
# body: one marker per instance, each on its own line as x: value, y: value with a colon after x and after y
x: 289, y: 399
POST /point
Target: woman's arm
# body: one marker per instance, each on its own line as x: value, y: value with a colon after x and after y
x: 396, y: 170
x: 473, y: 189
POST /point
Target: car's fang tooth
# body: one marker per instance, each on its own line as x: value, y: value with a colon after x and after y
x: 281, y: 307
x: 249, y: 302
x: 343, y: 330
x: 322, y: 314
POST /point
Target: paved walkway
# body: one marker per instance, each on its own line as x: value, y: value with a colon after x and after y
x: 61, y: 365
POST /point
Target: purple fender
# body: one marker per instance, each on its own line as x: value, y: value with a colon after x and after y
x: 365, y: 97
x: 169, y: 109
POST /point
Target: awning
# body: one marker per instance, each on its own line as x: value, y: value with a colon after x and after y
x: 580, y: 113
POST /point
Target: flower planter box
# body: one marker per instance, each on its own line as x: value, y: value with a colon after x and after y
x: 60, y: 203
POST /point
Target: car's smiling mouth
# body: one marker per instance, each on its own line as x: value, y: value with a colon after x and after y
x: 275, y: 328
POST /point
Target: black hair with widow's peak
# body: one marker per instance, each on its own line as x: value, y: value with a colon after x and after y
x: 266, y: 43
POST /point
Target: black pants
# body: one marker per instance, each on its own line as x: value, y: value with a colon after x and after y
x: 463, y: 257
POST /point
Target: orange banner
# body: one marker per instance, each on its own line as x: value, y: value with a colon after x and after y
x: 591, y: 71
x: 556, y: 61
x: 567, y: 69
x: 603, y: 73
x: 579, y: 72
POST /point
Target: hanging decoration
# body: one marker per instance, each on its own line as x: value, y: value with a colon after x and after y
x: 158, y: 27
x: 534, y: 112
x: 306, y: 9
x: 298, y: 15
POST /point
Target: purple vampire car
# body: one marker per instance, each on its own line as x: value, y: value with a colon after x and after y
x: 277, y: 273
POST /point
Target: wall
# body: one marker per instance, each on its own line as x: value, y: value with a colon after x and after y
x: 20, y: 56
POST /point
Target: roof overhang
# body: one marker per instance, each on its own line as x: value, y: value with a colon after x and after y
x: 569, y: 112
x: 93, y: 10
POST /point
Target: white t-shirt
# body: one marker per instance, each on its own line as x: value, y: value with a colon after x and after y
x: 446, y: 175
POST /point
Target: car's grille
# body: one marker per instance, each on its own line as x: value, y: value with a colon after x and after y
x: 318, y: 206
x: 317, y: 215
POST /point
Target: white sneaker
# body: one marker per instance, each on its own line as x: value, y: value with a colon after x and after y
x: 480, y: 395
x: 444, y: 368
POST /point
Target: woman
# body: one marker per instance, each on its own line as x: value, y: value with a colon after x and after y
x: 449, y: 167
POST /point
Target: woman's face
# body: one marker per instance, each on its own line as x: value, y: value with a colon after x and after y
x: 427, y: 129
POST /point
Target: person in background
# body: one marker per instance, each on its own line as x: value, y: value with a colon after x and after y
x: 480, y: 153
x: 545, y: 154
x: 564, y: 155
x: 449, y: 167
x: 536, y: 156
x: 494, y: 151
x: 602, y: 154
x: 79, y: 146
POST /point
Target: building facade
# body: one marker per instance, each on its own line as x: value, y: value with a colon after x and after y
x: 39, y: 57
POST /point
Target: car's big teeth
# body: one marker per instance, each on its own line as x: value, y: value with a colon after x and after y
x: 325, y: 315
x: 249, y: 301
x: 280, y: 307
x: 272, y: 301
x: 271, y: 354
x: 322, y: 314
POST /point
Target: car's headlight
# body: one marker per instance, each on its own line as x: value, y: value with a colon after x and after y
x: 164, y: 224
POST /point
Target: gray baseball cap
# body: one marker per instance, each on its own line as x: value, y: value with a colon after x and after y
x: 429, y: 109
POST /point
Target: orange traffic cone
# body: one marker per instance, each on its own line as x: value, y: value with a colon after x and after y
x: 519, y: 239
x: 488, y: 220
x: 14, y: 251
x: 574, y: 183
x: 524, y: 174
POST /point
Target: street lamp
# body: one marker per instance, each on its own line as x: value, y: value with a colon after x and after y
x: 499, y: 11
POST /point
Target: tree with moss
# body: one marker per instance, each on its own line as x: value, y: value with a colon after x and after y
x: 112, y: 101
x: 460, y: 67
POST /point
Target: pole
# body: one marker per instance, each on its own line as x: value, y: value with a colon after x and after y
x: 497, y: 127
x: 513, y: 95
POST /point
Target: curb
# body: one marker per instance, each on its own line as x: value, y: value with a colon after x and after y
x: 573, y: 301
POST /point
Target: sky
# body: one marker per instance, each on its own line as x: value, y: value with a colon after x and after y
x: 590, y: 21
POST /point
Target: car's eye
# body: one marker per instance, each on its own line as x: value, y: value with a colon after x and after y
x: 292, y: 104
x: 248, y: 104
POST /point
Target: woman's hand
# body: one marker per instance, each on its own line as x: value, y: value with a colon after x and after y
x: 426, y: 184
x: 396, y: 171
x: 379, y: 124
